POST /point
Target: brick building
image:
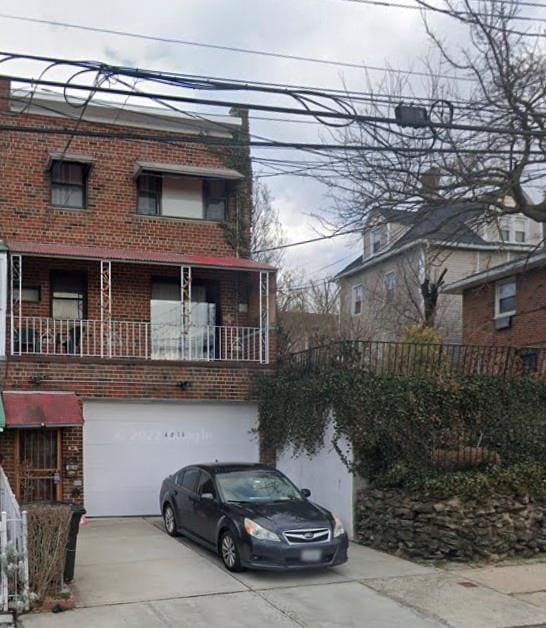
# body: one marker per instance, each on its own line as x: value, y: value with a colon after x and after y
x: 132, y: 321
x: 505, y: 305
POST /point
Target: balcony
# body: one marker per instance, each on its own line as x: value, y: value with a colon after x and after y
x: 137, y: 305
x: 34, y: 335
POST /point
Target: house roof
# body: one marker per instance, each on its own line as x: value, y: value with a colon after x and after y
x: 75, y: 251
x: 496, y: 273
x: 437, y: 223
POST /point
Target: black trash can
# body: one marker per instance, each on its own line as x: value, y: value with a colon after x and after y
x: 77, y: 514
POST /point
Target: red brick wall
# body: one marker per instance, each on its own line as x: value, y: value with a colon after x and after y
x: 131, y: 288
x: 110, y: 218
x: 528, y: 324
x: 119, y: 379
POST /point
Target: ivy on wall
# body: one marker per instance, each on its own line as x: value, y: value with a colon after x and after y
x: 236, y: 156
x: 407, y: 430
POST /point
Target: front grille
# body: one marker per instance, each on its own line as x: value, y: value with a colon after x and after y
x: 315, y: 535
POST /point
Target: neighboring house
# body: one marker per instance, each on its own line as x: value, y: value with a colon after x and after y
x: 131, y: 327
x: 505, y: 305
x: 301, y: 330
x: 381, y: 289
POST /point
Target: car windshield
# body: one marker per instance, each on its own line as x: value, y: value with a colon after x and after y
x: 256, y: 486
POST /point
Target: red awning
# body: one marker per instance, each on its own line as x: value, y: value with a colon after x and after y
x: 75, y: 251
x: 41, y: 409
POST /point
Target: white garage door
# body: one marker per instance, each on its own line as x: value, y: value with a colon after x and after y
x: 130, y: 447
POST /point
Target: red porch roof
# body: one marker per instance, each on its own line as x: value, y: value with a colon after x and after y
x: 41, y: 409
x: 75, y: 251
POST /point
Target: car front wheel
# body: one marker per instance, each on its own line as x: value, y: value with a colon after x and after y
x: 169, y: 520
x: 230, y: 553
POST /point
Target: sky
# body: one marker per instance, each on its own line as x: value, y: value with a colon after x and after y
x: 341, y: 30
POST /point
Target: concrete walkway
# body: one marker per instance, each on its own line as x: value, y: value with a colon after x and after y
x: 130, y: 573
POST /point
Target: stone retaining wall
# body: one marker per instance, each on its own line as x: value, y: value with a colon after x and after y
x: 494, y: 528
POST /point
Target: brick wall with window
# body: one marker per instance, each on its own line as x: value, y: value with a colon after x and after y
x: 525, y: 306
x: 96, y: 200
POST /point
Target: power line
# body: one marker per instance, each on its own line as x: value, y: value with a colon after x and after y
x: 317, y: 239
x: 169, y: 139
x: 262, y: 53
x: 415, y: 7
x: 359, y: 118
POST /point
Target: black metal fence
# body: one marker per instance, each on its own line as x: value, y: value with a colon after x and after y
x: 400, y: 358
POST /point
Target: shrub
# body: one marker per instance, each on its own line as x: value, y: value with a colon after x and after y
x: 48, y: 528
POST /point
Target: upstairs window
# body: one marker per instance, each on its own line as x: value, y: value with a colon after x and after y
x: 358, y: 298
x: 69, y: 184
x: 513, y: 229
x: 182, y: 197
x: 505, y: 299
x: 377, y: 239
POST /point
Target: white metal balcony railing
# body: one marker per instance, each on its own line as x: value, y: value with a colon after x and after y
x: 136, y: 339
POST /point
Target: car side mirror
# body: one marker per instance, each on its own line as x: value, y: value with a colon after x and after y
x: 306, y: 492
x: 208, y: 497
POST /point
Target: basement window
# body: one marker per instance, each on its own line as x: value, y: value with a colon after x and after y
x: 182, y: 197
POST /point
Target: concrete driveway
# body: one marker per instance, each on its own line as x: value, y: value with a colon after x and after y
x: 130, y: 573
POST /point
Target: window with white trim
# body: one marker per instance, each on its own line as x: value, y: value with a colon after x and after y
x: 513, y: 229
x: 505, y: 298
x: 377, y: 239
x: 357, y: 300
x: 390, y: 284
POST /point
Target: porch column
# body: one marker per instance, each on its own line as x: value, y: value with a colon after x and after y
x: 185, y: 310
x: 105, y: 308
x: 264, y: 318
x: 16, y: 313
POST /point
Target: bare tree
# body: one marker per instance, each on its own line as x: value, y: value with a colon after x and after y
x: 480, y: 139
x: 266, y: 229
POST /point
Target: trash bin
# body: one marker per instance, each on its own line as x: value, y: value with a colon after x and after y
x: 77, y: 514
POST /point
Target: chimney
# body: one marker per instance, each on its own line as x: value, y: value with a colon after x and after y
x: 430, y: 183
x: 5, y: 88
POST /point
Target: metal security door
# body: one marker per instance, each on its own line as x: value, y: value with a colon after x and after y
x: 39, y: 465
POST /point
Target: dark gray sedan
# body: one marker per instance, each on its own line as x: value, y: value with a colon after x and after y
x: 252, y: 516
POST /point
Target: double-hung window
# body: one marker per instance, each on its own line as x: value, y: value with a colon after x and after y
x: 377, y: 239
x: 358, y: 298
x: 505, y: 299
x: 69, y: 184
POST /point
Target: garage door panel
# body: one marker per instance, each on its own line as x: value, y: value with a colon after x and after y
x: 129, y: 448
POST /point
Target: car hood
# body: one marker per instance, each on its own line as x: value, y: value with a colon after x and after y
x: 286, y: 515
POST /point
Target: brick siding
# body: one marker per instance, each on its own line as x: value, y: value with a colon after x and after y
x: 528, y: 324
x: 110, y: 220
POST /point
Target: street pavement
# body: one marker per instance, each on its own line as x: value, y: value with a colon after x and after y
x: 130, y: 573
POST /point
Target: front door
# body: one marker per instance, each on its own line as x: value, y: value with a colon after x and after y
x: 38, y: 465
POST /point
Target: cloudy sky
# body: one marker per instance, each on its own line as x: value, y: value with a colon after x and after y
x: 341, y: 30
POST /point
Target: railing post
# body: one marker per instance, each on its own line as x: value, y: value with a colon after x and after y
x: 3, y: 551
x: 264, y: 317
x: 185, y: 309
x: 16, y: 285
x: 26, y: 584
x: 105, y: 308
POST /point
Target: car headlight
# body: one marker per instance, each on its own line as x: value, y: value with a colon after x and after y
x: 338, y: 527
x: 259, y: 532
